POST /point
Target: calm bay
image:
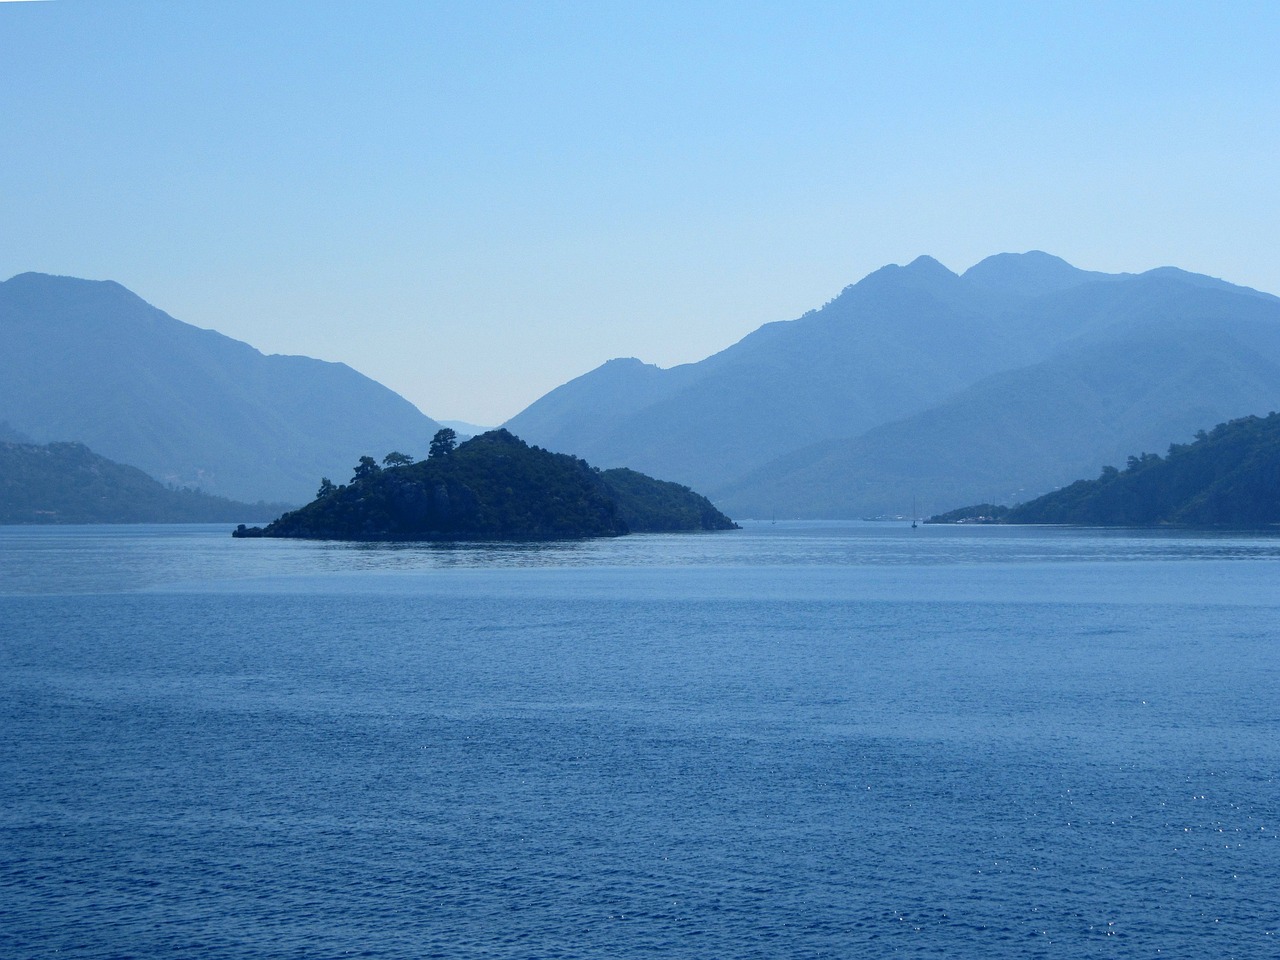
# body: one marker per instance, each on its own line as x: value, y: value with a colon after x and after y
x: 794, y: 740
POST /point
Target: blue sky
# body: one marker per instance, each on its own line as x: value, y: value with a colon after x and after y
x: 474, y: 202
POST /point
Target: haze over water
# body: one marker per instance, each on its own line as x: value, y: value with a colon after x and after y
x: 799, y: 740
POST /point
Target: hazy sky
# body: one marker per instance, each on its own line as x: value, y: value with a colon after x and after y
x: 473, y: 202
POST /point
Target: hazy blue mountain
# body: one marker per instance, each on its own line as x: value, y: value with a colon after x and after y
x: 69, y: 483
x: 89, y: 361
x: 569, y: 414
x: 1161, y: 374
x: 10, y: 435
x: 1012, y: 376
x: 1036, y: 273
x: 1030, y: 274
x: 897, y: 342
x: 464, y: 429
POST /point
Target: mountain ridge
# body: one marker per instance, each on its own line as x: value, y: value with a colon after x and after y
x: 90, y: 361
x: 904, y: 341
x: 716, y: 410
x: 912, y: 372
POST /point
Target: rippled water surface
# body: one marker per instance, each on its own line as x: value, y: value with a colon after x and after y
x: 796, y: 740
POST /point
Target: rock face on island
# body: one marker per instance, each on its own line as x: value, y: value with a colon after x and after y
x: 1227, y: 478
x: 493, y: 487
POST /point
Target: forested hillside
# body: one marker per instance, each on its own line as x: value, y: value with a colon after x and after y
x: 69, y: 483
x: 1228, y: 477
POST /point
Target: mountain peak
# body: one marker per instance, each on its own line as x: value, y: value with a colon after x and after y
x: 44, y: 290
x: 925, y: 263
x: 89, y: 359
x: 1029, y: 274
x: 32, y: 278
x: 899, y: 288
x: 922, y: 267
x: 1200, y: 280
x: 923, y: 271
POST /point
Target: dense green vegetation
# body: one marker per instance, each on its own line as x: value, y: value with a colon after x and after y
x: 494, y: 486
x: 1229, y: 478
x: 650, y: 505
x: 69, y: 483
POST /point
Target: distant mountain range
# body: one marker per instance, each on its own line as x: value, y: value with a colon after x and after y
x: 89, y: 361
x: 464, y: 428
x: 1013, y: 378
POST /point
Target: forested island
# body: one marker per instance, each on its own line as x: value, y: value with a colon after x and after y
x: 1229, y: 477
x: 69, y: 483
x: 492, y: 487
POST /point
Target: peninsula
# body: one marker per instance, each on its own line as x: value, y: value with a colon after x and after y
x: 1227, y: 478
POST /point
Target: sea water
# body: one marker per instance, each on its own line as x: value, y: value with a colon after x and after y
x: 794, y: 740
